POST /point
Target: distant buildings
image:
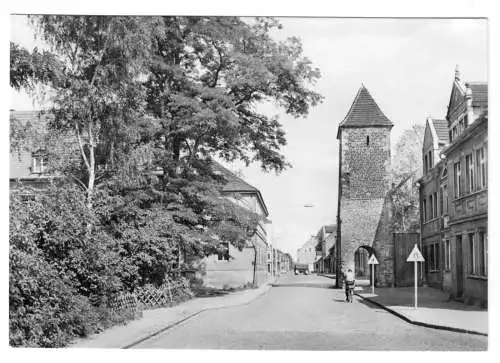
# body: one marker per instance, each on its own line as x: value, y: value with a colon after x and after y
x: 326, y: 244
x: 307, y: 254
x: 454, y: 195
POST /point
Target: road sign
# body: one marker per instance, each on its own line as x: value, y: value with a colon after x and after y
x: 415, y: 255
x: 373, y: 260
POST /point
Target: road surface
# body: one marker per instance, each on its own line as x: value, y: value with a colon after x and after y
x: 305, y: 313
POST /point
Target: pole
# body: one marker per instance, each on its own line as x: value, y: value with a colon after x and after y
x: 373, y: 279
x: 416, y: 287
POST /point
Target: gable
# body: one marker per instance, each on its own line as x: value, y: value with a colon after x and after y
x: 428, y: 137
x: 457, y: 97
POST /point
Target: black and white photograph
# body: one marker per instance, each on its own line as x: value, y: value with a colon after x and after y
x: 248, y: 182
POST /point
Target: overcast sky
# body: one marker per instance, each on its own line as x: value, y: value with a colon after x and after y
x: 406, y: 64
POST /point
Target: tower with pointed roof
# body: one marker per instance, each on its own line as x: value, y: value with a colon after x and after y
x: 364, y: 162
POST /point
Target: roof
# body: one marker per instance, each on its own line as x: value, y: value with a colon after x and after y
x: 365, y: 112
x: 479, y: 94
x: 441, y: 127
x: 234, y: 183
x: 237, y: 185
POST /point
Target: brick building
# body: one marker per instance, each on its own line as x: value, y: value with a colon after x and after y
x: 433, y: 201
x: 364, y: 207
x: 454, y: 196
x: 236, y: 268
x: 326, y: 245
x: 466, y: 253
x: 307, y: 255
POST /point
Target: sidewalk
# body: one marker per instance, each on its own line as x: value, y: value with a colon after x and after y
x: 434, y: 309
x: 158, y: 320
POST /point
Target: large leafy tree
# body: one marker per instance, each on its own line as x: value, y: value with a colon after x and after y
x: 207, y: 78
x: 164, y: 95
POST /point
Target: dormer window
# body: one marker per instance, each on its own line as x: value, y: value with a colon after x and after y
x: 39, y: 163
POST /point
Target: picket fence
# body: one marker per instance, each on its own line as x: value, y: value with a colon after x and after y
x: 147, y: 297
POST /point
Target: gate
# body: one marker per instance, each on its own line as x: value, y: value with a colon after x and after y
x: 403, y: 271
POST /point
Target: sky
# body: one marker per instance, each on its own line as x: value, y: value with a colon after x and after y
x: 408, y: 66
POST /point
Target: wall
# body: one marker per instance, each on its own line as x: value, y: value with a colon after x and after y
x: 365, y: 208
x: 404, y: 272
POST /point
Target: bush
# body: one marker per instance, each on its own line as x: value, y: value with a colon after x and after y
x: 62, y: 278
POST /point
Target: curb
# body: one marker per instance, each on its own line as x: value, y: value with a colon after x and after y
x: 419, y: 323
x: 178, y: 322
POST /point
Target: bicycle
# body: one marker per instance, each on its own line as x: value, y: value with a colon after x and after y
x: 349, y: 291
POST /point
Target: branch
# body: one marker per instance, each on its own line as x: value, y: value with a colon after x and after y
x: 79, y: 182
x: 80, y: 145
x: 216, y: 77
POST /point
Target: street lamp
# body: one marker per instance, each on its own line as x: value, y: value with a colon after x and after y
x: 250, y: 233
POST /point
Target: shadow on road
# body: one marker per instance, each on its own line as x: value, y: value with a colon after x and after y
x: 304, y: 284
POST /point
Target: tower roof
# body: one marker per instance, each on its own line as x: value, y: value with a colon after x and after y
x: 364, y: 112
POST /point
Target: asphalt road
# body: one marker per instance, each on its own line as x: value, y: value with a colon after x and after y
x: 304, y: 313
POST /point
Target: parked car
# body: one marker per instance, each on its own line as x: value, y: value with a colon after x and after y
x: 302, y: 269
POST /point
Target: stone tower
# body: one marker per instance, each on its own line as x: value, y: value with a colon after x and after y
x: 364, y: 162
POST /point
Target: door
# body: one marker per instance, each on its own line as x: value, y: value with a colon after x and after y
x: 459, y: 266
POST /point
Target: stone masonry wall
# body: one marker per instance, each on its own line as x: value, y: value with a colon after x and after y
x: 365, y: 167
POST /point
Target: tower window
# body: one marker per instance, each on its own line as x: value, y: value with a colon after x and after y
x: 367, y: 140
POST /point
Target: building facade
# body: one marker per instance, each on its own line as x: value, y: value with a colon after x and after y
x: 433, y: 202
x: 326, y: 245
x: 307, y: 255
x: 467, y: 165
x: 250, y: 266
x: 454, y: 196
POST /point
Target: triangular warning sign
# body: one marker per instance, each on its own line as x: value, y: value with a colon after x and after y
x: 415, y: 255
x: 373, y: 260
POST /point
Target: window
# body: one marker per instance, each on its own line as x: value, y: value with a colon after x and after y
x: 469, y: 173
x: 367, y: 140
x: 424, y: 209
x: 447, y: 255
x: 445, y: 195
x: 433, y: 257
x: 457, y: 183
x: 435, y: 211
x: 480, y: 169
x: 39, y: 163
x: 426, y: 165
x: 431, y: 161
x: 472, y: 255
x: 223, y: 255
x: 482, y: 254
x: 441, y: 200
x: 431, y: 208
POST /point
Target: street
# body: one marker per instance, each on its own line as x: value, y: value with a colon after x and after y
x: 305, y: 313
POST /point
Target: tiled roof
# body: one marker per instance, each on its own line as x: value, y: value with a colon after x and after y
x: 479, y: 94
x: 234, y: 183
x: 364, y: 111
x: 441, y: 127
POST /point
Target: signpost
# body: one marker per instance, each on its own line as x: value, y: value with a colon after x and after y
x: 415, y: 256
x: 373, y: 261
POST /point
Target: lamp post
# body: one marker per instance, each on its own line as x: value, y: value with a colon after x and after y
x: 338, y: 248
x: 250, y: 233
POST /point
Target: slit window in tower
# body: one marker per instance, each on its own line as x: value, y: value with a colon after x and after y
x: 367, y: 140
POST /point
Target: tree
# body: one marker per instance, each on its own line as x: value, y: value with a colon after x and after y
x: 406, y: 167
x: 151, y: 100
x: 98, y: 94
x: 207, y: 78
